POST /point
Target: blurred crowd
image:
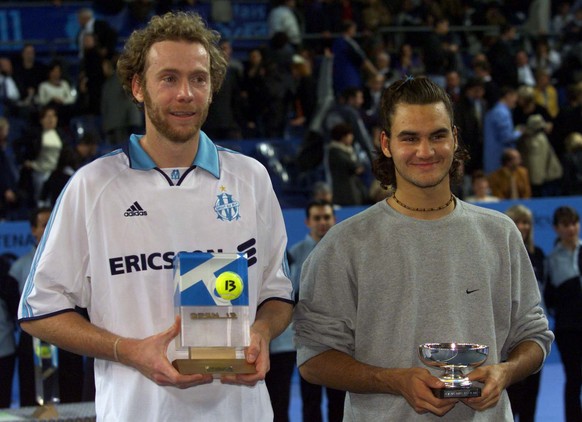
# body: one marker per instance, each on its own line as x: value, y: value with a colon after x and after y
x: 512, y: 69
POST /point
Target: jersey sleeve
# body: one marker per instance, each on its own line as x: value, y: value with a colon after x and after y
x: 58, y: 277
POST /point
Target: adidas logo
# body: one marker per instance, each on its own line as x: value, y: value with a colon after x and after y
x: 135, y: 210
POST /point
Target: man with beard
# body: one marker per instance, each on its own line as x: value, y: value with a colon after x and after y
x: 121, y: 219
x: 419, y: 267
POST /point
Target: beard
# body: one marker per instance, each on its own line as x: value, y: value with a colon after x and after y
x: 175, y: 134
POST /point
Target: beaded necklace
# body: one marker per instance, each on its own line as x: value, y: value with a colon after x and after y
x: 442, y: 207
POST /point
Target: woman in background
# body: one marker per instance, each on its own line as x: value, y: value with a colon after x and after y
x: 523, y: 395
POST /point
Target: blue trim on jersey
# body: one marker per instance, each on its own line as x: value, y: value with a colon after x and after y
x: 206, y: 157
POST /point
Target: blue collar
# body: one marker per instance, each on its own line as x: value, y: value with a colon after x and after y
x: 206, y: 157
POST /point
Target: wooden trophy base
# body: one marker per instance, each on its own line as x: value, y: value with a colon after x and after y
x: 46, y: 412
x: 213, y: 360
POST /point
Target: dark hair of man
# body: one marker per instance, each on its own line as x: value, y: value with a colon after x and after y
x: 33, y: 217
x: 318, y: 203
x: 417, y: 91
x: 565, y: 215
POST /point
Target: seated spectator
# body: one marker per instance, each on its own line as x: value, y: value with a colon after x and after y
x: 42, y: 151
x: 481, y: 192
x: 57, y: 92
x: 511, y: 180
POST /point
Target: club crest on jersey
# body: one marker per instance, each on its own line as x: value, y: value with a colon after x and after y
x: 226, y: 208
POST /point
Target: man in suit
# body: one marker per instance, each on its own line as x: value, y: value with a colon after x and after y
x: 105, y: 34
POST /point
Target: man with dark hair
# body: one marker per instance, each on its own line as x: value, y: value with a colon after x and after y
x: 319, y: 218
x: 407, y: 271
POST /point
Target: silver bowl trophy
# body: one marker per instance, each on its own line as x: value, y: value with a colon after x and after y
x: 212, y: 298
x: 454, y: 359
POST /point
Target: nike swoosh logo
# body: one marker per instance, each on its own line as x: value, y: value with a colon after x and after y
x: 471, y: 291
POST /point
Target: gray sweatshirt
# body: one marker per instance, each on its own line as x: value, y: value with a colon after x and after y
x: 380, y: 284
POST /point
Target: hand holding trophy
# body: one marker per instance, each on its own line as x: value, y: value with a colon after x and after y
x: 454, y: 359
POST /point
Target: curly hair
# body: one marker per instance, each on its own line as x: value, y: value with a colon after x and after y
x: 172, y: 26
x: 418, y: 91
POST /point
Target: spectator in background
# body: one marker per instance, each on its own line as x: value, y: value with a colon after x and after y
x: 501, y: 55
x: 279, y: 86
x: 481, y: 191
x: 256, y: 104
x: 545, y: 93
x: 545, y: 56
x: 69, y: 162
x: 57, y: 92
x: 10, y: 194
x: 482, y: 70
x: 86, y: 148
x: 19, y: 270
x: 453, y: 85
x: 304, y: 102
x: 511, y: 181
x: 28, y: 74
x: 320, y: 217
x: 383, y: 63
x: 372, y: 94
x: 345, y: 168
x: 499, y: 131
x: 572, y: 165
x: 349, y: 60
x: 469, y: 113
x: 91, y: 77
x: 9, y: 94
x: 540, y: 159
x: 106, y: 36
x: 119, y: 115
x: 569, y: 119
x: 563, y: 297
x: 408, y: 62
x: 523, y: 395
x: 526, y: 106
x: 525, y: 72
x: 440, y: 51
x: 284, y: 18
x: 321, y: 191
x: 348, y: 110
x: 8, y: 308
x: 224, y: 113
x: 44, y: 149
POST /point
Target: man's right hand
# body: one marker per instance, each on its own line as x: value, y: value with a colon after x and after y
x: 415, y: 384
x: 149, y: 356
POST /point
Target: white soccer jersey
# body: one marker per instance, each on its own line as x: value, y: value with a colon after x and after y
x: 109, y: 246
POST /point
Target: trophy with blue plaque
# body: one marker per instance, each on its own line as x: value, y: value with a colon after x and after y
x: 212, y: 298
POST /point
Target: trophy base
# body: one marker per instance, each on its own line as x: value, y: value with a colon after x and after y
x: 456, y: 392
x: 214, y: 360
x: 213, y: 366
